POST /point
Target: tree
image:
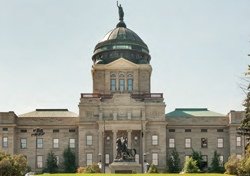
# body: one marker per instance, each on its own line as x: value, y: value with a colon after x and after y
x: 12, y: 165
x: 196, y: 156
x: 231, y: 165
x: 190, y: 166
x: 216, y: 166
x: 243, y: 168
x: 245, y: 124
x: 69, y: 162
x: 51, y: 164
x: 173, y: 162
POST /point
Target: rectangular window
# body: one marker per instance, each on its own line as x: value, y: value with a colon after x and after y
x: 187, y: 130
x: 155, y: 158
x: 55, y: 143
x: 220, y: 130
x: 23, y: 131
x: 220, y: 143
x: 171, y: 143
x: 121, y: 84
x: 171, y: 130
x: 72, y: 143
x: 106, y: 158
x: 72, y: 130
x: 204, y: 143
x: 39, y: 160
x: 204, y: 130
x: 130, y: 84
x: 23, y: 142
x: 112, y: 84
x: 55, y: 130
x: 221, y: 160
x: 89, y: 158
x: 238, y: 141
x: 5, y: 142
x: 188, y: 143
x: 39, y: 143
x: 89, y: 140
x: 5, y: 129
x: 204, y: 161
x: 154, y: 140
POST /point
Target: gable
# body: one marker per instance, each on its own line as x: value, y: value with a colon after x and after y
x: 121, y: 64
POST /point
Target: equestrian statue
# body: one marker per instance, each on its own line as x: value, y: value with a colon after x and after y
x: 122, y: 151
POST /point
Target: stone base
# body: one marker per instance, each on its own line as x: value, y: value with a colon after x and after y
x: 125, y: 167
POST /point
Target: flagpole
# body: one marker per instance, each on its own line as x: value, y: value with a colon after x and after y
x: 103, y: 158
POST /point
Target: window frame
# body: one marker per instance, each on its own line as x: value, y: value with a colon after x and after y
x: 23, y: 145
x: 155, y: 139
x: 39, y: 145
x: 89, y: 142
x: 113, y: 84
x: 89, y: 159
x: 130, y: 85
x: 72, y: 144
x: 238, y: 142
x: 122, y: 84
x: 39, y: 163
x: 55, y: 144
x: 220, y: 144
x: 5, y: 142
x: 155, y: 158
x: 171, y: 142
x: 186, y: 143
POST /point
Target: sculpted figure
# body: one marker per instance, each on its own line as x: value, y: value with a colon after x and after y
x: 120, y: 10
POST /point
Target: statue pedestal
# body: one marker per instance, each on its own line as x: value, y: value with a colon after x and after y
x: 125, y: 167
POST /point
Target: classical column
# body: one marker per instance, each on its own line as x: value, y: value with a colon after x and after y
x: 114, y: 143
x: 129, y: 139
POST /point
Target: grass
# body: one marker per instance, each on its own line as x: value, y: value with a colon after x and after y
x: 202, y: 174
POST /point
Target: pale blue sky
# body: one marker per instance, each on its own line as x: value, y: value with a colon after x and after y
x: 199, y: 50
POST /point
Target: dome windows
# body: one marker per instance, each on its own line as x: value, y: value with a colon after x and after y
x: 122, y: 83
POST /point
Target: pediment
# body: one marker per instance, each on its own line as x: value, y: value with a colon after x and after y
x: 121, y: 64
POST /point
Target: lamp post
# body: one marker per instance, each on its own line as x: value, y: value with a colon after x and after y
x: 37, y: 132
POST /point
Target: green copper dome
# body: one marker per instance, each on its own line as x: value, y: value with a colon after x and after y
x: 121, y: 42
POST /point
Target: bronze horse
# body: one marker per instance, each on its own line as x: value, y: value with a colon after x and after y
x: 123, y: 153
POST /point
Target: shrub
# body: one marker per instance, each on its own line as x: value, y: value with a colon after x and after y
x: 69, y: 162
x: 231, y: 165
x: 190, y: 166
x: 216, y: 166
x: 152, y: 169
x: 12, y: 165
x: 196, y: 156
x: 80, y: 170
x: 51, y: 163
x: 173, y: 162
x: 94, y: 168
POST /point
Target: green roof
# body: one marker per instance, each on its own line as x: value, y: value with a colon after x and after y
x: 193, y: 112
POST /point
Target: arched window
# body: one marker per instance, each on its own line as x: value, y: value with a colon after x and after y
x: 129, y: 81
x: 121, y: 82
x: 112, y: 82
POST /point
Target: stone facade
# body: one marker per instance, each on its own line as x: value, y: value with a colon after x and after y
x: 121, y: 105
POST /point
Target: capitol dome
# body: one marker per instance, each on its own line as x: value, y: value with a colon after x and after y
x: 121, y: 42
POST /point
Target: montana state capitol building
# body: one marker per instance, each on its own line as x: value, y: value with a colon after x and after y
x: 121, y: 105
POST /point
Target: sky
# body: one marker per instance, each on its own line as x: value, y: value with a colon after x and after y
x: 199, y: 50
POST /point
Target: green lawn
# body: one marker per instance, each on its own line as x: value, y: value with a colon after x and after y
x: 135, y: 174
